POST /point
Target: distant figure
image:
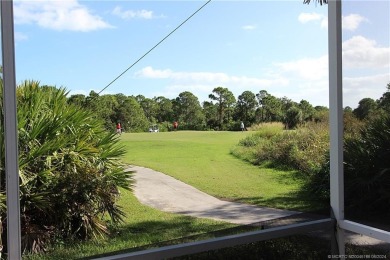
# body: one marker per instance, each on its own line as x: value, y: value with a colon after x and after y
x: 175, y: 125
x: 118, y: 128
x: 242, y: 126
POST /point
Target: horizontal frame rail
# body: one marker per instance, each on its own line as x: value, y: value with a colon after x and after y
x: 365, y: 230
x: 226, y: 241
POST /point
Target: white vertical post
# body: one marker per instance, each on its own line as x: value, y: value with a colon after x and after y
x: 10, y: 131
x: 336, y: 117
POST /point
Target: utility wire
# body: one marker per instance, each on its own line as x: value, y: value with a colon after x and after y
x: 143, y: 56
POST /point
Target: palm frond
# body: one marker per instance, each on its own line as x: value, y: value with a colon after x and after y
x: 68, y: 165
x: 321, y: 2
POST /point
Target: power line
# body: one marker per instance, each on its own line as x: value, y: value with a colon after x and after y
x: 151, y: 49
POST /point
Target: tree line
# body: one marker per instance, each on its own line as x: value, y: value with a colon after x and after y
x: 223, y: 111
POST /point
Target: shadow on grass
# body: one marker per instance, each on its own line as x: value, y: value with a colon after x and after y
x: 177, y: 228
x: 159, y: 227
x: 298, y: 201
x: 154, y: 234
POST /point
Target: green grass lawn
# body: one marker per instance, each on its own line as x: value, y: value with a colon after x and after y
x: 203, y: 160
x: 144, y: 227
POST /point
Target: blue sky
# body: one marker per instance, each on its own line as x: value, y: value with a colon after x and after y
x: 278, y: 46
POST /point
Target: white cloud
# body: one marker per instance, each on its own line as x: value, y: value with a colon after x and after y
x: 249, y: 27
x: 58, y: 15
x: 130, y: 14
x: 350, y: 22
x: 149, y: 72
x: 309, y: 79
x: 354, y: 89
x: 304, y: 78
x: 214, y: 78
x: 201, y: 91
x: 360, y: 52
x: 310, y: 75
x: 315, y: 91
x: 307, y: 68
x: 313, y: 17
x: 201, y: 84
x: 357, y: 88
x: 307, y: 17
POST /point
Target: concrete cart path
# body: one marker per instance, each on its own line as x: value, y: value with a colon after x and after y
x: 165, y: 193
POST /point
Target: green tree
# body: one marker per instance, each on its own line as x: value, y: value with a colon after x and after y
x: 149, y: 106
x: 321, y: 114
x: 188, y: 111
x: 348, y: 109
x: 384, y: 101
x: 103, y: 107
x: 261, y: 98
x: 78, y: 99
x: 165, y: 109
x: 246, y: 107
x: 271, y: 107
x: 210, y: 112
x: 287, y: 104
x: 293, y: 117
x: 307, y: 110
x: 225, y: 102
x: 367, y: 107
x: 130, y: 114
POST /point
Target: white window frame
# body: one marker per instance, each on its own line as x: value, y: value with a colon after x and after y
x: 336, y: 159
x: 10, y: 131
x: 336, y: 133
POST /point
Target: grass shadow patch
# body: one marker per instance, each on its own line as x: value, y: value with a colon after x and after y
x: 297, y: 201
x: 161, y: 228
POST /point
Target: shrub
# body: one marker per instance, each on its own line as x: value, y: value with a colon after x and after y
x: 251, y: 140
x: 352, y: 125
x: 268, y: 127
x: 69, y: 169
x: 303, y: 149
x: 367, y: 168
x: 248, y: 147
x: 318, y: 183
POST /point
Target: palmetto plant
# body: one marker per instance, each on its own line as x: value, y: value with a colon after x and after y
x: 69, y: 169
